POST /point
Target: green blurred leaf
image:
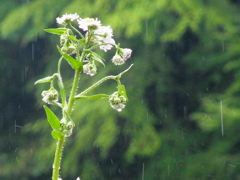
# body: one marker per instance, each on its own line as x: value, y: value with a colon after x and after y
x: 75, y: 64
x: 52, y: 118
x: 58, y: 31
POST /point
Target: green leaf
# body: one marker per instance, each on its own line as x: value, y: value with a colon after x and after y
x: 75, y: 64
x: 58, y: 31
x: 122, y: 90
x: 97, y: 96
x: 73, y: 38
x: 95, y: 56
x: 44, y: 80
x: 57, y: 134
x: 52, y: 118
x: 59, y: 49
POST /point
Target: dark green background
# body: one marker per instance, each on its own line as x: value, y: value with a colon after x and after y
x: 182, y: 120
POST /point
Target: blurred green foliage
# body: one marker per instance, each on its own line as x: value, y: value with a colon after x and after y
x: 182, y: 120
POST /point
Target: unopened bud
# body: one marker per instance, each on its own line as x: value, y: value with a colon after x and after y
x: 69, y: 50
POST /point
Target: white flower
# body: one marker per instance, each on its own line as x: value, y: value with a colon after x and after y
x: 104, y: 32
x: 117, y: 60
x: 103, y: 35
x: 86, y: 23
x: 126, y: 53
x: 78, y: 178
x: 67, y: 17
x: 107, y: 44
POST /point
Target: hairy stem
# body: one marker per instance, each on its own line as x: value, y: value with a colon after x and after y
x: 57, y: 158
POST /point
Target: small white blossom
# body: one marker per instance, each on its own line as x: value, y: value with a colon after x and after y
x: 78, y: 178
x: 67, y: 17
x: 86, y: 23
x: 104, y: 32
x: 103, y: 35
x: 117, y: 60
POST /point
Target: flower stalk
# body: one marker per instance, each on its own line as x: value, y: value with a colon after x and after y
x: 83, y: 61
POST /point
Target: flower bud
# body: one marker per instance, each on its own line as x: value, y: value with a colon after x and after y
x: 70, y: 125
x: 90, y: 69
x: 117, y: 60
x: 117, y: 101
x: 125, y: 53
x: 63, y: 38
x: 50, y: 96
x: 69, y: 50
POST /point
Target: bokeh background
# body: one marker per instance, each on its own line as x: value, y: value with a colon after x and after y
x: 182, y: 120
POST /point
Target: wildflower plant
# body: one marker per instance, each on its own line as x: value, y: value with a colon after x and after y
x: 77, y: 47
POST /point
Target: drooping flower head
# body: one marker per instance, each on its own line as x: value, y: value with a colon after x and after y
x: 67, y: 17
x: 50, y: 96
x: 89, y: 23
x: 117, y: 60
x: 117, y: 101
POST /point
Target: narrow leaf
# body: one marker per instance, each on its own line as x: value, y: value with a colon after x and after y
x: 44, y: 80
x: 52, y: 118
x: 98, y: 60
x: 58, y: 31
x: 97, y: 96
x: 57, y: 134
x: 75, y: 64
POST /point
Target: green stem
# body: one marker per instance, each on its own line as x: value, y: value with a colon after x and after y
x: 57, y: 159
x: 80, y: 34
x: 117, y: 78
x: 60, y: 83
x: 73, y: 92
x: 97, y: 84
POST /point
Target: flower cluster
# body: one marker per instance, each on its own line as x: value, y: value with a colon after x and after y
x: 95, y: 34
x: 117, y: 101
x: 67, y: 127
x: 50, y: 96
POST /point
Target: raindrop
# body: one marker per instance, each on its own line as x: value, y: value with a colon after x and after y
x: 223, y: 46
x: 16, y: 126
x: 146, y: 28
x: 32, y: 51
x: 221, y: 112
